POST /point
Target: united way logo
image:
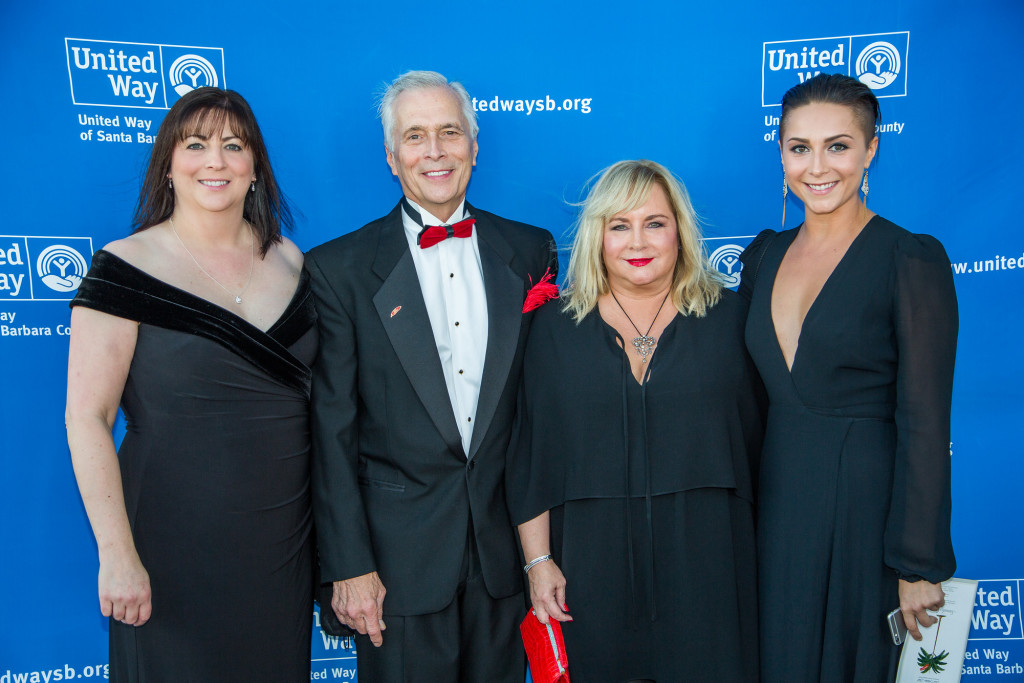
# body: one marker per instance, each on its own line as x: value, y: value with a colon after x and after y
x: 725, y: 256
x: 878, y: 65
x: 878, y: 60
x: 337, y: 654
x: 42, y: 268
x: 997, y: 610
x: 61, y: 268
x: 139, y: 75
x: 189, y: 72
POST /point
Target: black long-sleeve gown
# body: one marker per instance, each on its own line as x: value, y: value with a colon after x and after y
x: 215, y: 470
x: 662, y: 587
x: 855, y: 473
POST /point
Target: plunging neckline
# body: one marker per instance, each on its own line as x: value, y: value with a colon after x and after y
x: 220, y: 310
x: 817, y: 297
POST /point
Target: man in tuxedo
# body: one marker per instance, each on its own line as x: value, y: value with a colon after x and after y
x: 421, y: 339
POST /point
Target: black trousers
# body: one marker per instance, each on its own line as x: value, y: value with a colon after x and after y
x: 475, y: 639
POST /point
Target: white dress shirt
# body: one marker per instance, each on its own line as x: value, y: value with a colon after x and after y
x: 451, y: 279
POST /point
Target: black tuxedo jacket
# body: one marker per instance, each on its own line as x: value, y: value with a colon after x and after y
x: 393, y: 489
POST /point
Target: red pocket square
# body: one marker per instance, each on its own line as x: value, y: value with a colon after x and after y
x: 545, y: 649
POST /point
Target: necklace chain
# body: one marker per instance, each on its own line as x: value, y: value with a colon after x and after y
x: 645, y: 342
x: 252, y: 261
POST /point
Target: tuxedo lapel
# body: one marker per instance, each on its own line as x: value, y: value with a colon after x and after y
x: 403, y: 313
x: 505, y: 293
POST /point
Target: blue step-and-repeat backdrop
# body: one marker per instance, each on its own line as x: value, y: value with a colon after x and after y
x: 562, y: 90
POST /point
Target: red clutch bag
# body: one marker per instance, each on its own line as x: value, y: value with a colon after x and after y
x: 545, y: 650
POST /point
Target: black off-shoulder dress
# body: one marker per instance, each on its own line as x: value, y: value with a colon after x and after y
x: 215, y: 469
x: 855, y: 475
x: 650, y: 493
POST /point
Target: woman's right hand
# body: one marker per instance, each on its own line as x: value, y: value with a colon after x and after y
x: 124, y: 590
x: 547, y: 592
x: 99, y: 356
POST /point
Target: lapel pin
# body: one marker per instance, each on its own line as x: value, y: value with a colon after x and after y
x: 395, y: 311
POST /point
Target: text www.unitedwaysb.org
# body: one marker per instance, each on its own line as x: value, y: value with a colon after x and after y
x: 529, y: 106
x: 996, y: 264
x: 66, y: 673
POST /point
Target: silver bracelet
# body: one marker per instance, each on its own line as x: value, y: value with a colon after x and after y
x: 533, y: 563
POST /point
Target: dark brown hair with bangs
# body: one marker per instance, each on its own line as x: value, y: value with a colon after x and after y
x: 204, y: 112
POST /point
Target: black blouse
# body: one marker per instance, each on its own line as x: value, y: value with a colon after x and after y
x: 701, y: 411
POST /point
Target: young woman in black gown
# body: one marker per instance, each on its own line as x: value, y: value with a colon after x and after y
x: 201, y: 327
x: 638, y: 425
x: 853, y: 326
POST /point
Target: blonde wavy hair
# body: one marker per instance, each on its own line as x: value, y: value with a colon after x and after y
x: 625, y: 186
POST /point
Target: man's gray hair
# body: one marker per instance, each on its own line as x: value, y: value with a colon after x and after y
x: 415, y: 80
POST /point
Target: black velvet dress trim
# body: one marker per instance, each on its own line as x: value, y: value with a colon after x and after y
x: 114, y: 286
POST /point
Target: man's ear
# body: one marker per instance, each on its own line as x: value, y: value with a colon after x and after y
x: 391, y: 159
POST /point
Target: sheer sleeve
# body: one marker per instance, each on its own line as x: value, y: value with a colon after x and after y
x: 917, y: 537
x: 751, y: 260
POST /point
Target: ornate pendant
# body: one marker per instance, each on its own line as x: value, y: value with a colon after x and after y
x: 238, y: 299
x: 643, y: 345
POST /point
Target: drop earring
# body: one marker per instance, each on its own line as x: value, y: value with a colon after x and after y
x: 252, y: 186
x: 170, y: 183
x: 785, y: 193
x: 864, y: 187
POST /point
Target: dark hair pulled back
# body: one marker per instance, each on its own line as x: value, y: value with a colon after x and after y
x: 834, y: 89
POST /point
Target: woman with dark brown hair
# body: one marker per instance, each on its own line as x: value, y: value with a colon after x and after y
x: 201, y: 327
x: 853, y: 327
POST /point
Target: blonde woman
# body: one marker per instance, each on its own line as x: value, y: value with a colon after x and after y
x: 639, y: 422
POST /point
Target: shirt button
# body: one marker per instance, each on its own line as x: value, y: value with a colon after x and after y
x: 456, y: 323
x: 461, y: 371
x: 451, y: 274
x: 469, y: 419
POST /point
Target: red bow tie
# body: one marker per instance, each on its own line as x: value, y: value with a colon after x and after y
x: 432, y: 234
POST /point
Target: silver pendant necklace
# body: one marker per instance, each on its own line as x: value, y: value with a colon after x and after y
x: 252, y: 260
x: 643, y: 344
